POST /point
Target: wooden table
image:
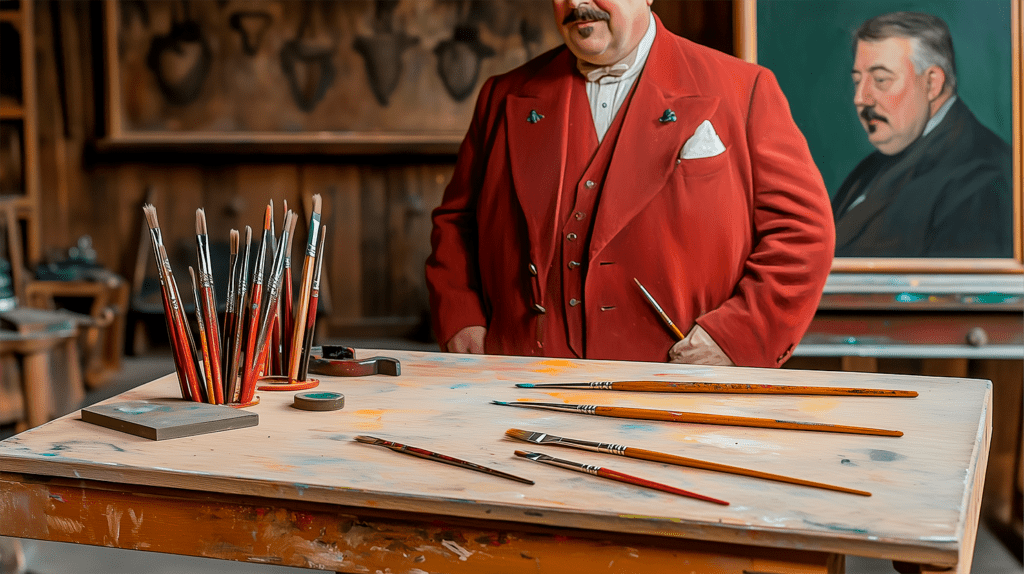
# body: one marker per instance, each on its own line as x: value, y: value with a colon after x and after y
x: 298, y: 490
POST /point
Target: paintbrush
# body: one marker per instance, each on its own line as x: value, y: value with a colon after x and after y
x: 614, y: 475
x: 269, y: 316
x: 209, y: 305
x: 700, y: 418
x: 229, y: 311
x: 238, y: 332
x: 301, y: 310
x: 430, y: 455
x: 642, y: 454
x: 287, y: 320
x: 699, y: 387
x: 314, y: 296
x: 273, y: 249
x: 184, y: 351
x: 181, y: 366
x: 256, y: 300
x: 660, y: 311
x: 209, y: 397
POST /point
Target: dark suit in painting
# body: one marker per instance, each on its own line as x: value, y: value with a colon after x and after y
x: 948, y: 194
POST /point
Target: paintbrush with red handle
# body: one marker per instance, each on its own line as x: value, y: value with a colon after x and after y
x: 181, y: 366
x: 256, y: 300
x: 614, y: 475
x: 209, y: 305
x: 184, y: 360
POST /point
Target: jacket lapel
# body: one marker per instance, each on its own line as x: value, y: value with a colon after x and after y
x: 537, y: 121
x: 647, y: 148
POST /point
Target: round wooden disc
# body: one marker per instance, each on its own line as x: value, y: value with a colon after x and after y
x: 319, y: 401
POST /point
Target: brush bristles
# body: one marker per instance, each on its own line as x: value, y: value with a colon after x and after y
x: 521, y: 453
x: 316, y: 203
x: 365, y: 439
x: 248, y: 235
x: 151, y: 218
x: 234, y: 241
x: 519, y: 434
x: 200, y: 221
x: 268, y: 216
x: 291, y: 233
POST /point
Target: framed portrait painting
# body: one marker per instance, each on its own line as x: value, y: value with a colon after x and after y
x: 309, y: 76
x: 912, y: 111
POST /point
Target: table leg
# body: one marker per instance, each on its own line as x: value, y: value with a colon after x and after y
x: 37, y: 385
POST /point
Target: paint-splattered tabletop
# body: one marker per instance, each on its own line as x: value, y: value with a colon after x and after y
x: 925, y: 484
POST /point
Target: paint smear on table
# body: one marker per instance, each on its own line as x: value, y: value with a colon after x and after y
x: 555, y: 366
x: 371, y: 419
x: 817, y: 405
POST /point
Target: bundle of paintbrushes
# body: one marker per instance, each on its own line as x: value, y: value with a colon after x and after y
x: 227, y: 359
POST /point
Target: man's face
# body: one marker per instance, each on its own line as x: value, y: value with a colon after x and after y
x: 602, y: 32
x: 891, y: 98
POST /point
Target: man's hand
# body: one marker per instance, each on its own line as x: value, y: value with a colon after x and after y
x: 469, y: 340
x: 698, y: 348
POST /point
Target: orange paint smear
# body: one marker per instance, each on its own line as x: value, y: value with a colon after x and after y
x: 555, y: 366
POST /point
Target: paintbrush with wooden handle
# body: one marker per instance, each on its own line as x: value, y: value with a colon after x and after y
x: 438, y: 457
x: 735, y: 388
x: 614, y: 475
x: 643, y: 454
x: 700, y: 418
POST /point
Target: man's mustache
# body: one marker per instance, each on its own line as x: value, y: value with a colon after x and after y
x: 586, y: 14
x: 868, y: 114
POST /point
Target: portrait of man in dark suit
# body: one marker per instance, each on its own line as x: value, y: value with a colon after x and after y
x: 940, y: 183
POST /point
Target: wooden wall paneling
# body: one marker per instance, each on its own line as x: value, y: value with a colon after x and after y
x: 256, y: 185
x: 339, y: 188
x: 53, y: 177
x: 374, y: 241
x: 414, y: 191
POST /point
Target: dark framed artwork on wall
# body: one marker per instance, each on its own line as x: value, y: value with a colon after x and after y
x: 909, y: 195
x: 354, y: 76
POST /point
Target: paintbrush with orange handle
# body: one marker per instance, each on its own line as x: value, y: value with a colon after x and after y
x: 642, y: 454
x: 700, y: 418
x: 736, y: 388
x: 238, y: 332
x: 661, y: 312
x: 302, y: 309
x: 614, y: 475
x: 178, y: 328
x: 314, y: 297
x: 209, y: 305
x: 204, y: 342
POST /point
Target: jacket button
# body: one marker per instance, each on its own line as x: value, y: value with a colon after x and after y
x: 539, y: 308
x: 571, y: 237
x: 590, y: 184
x: 580, y: 215
x: 533, y: 269
x: 574, y: 265
x: 574, y: 302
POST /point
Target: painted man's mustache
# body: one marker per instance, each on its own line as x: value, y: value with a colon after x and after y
x: 869, y: 113
x: 586, y: 14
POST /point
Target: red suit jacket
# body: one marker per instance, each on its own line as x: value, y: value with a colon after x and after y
x: 740, y: 243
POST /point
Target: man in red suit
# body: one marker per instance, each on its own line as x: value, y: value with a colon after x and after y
x: 630, y: 152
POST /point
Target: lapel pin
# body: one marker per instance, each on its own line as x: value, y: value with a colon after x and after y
x: 534, y: 117
x: 668, y: 116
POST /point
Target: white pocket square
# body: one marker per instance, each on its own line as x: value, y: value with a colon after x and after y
x: 703, y: 143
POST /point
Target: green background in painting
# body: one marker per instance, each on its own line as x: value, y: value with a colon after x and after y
x: 807, y: 44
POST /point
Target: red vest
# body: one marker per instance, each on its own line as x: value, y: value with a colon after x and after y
x: 586, y: 164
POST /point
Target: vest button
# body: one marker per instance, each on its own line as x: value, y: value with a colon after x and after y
x: 590, y: 184
x: 571, y: 237
x: 580, y: 215
x: 539, y: 308
x: 533, y: 269
x: 574, y: 302
x: 574, y: 265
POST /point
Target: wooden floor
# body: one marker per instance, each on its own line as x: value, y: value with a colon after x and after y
x: 990, y: 557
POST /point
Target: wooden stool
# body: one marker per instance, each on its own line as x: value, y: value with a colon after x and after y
x: 36, y: 351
